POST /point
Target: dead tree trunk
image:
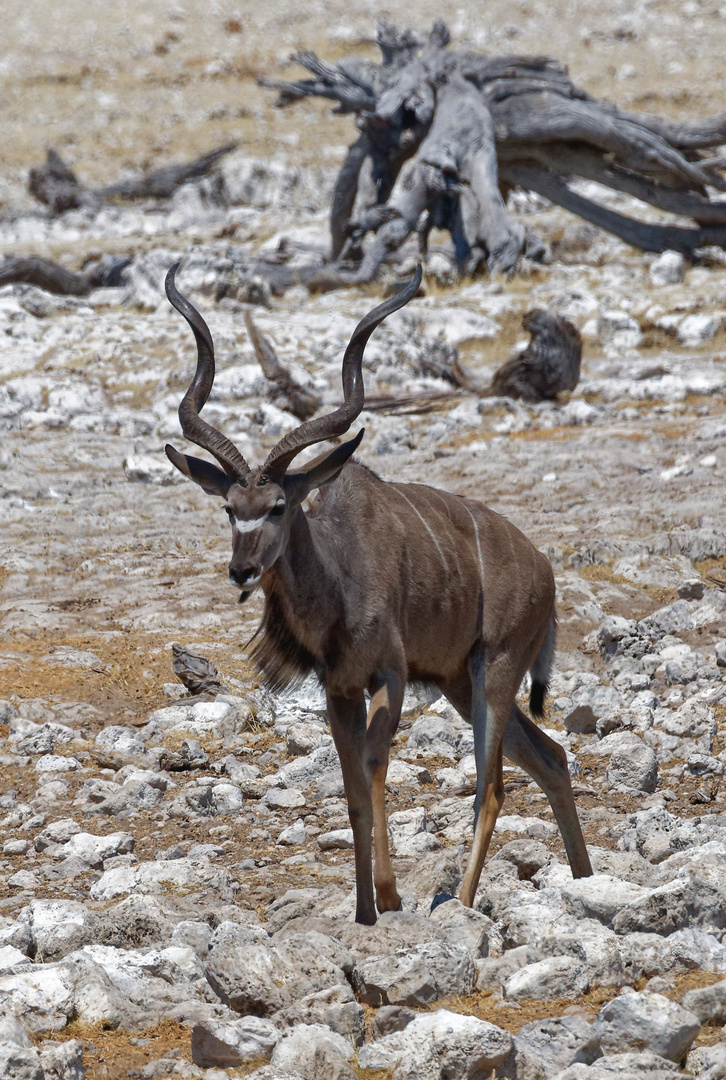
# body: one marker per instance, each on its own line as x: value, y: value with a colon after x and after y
x: 445, y: 135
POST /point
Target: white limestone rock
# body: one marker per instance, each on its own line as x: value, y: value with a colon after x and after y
x: 699, y: 328
x: 618, y: 331
x: 537, y: 828
x: 708, y: 1003
x: 20, y: 1063
x: 441, y: 1043
x: 316, y: 1052
x: 645, y: 1020
x: 633, y: 769
x: 262, y: 978
x: 634, y: 1066
x: 545, y: 1047
x: 409, y: 833
x: 547, y: 980
x: 227, y: 1043
x: 57, y: 927
x: 463, y: 926
x: 336, y: 839
x: 416, y: 976
x: 159, y: 876
x: 335, y: 1007
x: 708, y: 1062
x: 668, y: 268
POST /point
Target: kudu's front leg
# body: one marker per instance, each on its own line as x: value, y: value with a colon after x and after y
x: 489, y: 715
x: 347, y: 718
x: 384, y: 714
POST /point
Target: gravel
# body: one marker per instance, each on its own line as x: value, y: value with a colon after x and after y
x: 171, y: 858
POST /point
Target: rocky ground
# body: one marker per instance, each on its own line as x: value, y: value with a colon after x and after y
x: 176, y: 874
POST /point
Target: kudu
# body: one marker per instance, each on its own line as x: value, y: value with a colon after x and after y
x: 378, y: 584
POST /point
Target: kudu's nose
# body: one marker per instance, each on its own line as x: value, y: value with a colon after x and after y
x: 246, y: 577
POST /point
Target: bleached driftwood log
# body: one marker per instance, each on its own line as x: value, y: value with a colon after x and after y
x: 446, y: 134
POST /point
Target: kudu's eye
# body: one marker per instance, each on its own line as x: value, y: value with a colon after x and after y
x: 278, y: 510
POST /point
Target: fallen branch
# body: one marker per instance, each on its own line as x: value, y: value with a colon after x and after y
x: 106, y: 272
x: 549, y: 364
x: 291, y: 395
x: 198, y: 674
x: 57, y: 186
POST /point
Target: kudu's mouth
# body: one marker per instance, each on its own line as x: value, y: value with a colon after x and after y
x: 247, y: 582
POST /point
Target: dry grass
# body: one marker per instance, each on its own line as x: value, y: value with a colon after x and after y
x: 109, y: 1054
x: 130, y: 680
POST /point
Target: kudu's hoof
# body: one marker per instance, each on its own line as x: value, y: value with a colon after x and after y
x: 441, y: 898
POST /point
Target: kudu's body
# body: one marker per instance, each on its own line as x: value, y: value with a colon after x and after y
x: 378, y: 584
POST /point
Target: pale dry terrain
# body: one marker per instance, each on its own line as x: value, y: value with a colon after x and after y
x: 622, y: 483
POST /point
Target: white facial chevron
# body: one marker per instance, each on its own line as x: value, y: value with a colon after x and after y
x: 249, y: 526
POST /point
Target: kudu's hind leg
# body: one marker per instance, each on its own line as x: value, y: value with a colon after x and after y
x: 489, y: 711
x: 525, y: 745
x: 545, y: 761
x: 347, y: 718
x: 383, y: 716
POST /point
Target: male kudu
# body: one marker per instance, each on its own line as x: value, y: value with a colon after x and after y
x: 378, y: 584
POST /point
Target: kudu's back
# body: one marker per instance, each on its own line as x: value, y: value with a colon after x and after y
x: 433, y: 573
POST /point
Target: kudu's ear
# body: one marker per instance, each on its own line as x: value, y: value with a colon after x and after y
x: 208, y: 476
x: 324, y: 468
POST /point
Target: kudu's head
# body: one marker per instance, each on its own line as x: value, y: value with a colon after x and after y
x: 261, y: 502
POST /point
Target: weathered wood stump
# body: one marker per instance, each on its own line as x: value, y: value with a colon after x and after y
x: 549, y: 364
x: 446, y: 134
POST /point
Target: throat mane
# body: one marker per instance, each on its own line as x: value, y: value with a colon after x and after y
x: 279, y: 654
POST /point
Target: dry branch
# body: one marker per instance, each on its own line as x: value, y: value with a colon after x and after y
x: 57, y: 187
x: 549, y: 364
x: 52, y: 277
x: 198, y: 674
x: 291, y: 395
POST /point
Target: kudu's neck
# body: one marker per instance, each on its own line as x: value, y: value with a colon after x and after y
x: 307, y: 576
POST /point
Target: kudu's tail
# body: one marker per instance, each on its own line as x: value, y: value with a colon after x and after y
x: 542, y: 668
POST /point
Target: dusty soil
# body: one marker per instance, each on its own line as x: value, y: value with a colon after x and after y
x: 92, y: 562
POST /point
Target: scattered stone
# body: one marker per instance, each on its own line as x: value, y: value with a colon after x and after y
x: 390, y: 1018
x: 633, y: 769
x: 618, y: 330
x: 638, y: 1020
x: 696, y: 330
x: 547, y: 980
x: 336, y: 1008
x: 441, y: 1043
x: 708, y: 1003
x: 668, y: 268
x: 336, y: 839
x: 416, y: 976
x: 232, y: 1042
x: 545, y: 1047
x: 316, y: 1052
x: 284, y: 799
x: 260, y: 979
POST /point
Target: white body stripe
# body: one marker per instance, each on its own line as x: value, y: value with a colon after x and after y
x: 249, y: 526
x: 478, y: 545
x: 426, y: 526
